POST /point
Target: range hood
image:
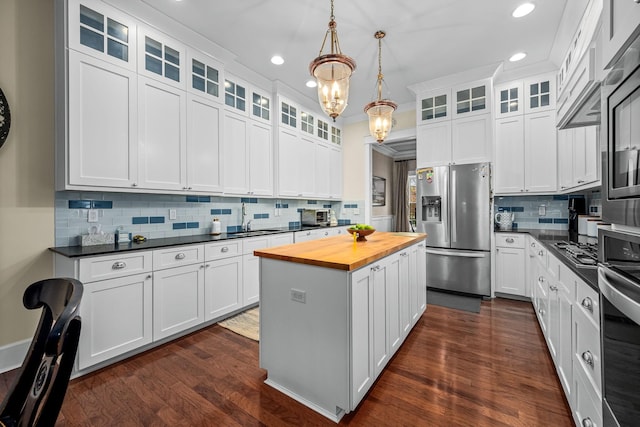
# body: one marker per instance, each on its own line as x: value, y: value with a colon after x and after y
x: 579, y: 102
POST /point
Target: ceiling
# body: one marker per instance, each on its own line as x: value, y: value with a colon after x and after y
x: 426, y: 39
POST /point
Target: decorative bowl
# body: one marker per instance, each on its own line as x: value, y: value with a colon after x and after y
x: 361, y: 233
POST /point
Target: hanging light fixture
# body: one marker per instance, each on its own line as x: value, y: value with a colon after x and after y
x: 381, y: 110
x: 332, y: 72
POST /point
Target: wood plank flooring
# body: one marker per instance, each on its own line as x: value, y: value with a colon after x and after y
x: 454, y: 369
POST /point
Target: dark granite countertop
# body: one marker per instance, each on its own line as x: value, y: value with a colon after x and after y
x: 547, y: 238
x: 82, y: 251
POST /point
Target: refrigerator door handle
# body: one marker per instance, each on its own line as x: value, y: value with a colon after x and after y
x: 456, y: 253
x: 453, y: 216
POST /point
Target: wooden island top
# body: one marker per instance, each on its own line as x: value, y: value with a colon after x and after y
x: 341, y: 252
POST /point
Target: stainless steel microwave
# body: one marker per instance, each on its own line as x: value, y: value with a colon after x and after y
x: 316, y: 216
x: 620, y: 142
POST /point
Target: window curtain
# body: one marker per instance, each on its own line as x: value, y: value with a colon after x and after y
x: 400, y: 205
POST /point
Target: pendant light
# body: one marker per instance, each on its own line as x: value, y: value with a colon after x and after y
x: 381, y: 110
x: 332, y: 72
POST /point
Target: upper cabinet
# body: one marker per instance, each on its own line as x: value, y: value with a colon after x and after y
x: 161, y: 58
x: 621, y: 24
x: 471, y: 99
x: 433, y: 107
x: 526, y: 96
x: 205, y: 76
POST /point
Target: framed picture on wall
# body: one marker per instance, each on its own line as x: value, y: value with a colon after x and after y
x: 378, y: 191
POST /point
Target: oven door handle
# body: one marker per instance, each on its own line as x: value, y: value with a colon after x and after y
x: 621, y: 292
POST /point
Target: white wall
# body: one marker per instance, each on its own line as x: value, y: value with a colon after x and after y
x: 26, y: 160
x: 382, y: 166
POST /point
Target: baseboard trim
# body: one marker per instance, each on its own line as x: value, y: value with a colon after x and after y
x: 12, y: 355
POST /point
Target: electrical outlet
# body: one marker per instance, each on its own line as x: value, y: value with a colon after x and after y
x: 298, y: 296
x: 542, y: 210
x: 92, y: 215
x: 356, y: 211
x: 172, y: 214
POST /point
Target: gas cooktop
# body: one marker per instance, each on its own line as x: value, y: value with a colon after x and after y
x: 582, y: 255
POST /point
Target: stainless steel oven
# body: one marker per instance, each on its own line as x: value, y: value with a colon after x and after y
x: 619, y: 283
x: 620, y: 140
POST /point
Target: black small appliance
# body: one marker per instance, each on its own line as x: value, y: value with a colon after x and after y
x: 576, y: 207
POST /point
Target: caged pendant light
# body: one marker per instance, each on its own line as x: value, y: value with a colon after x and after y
x: 381, y: 110
x: 332, y: 73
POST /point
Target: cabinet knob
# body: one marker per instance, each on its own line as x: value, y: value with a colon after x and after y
x: 403, y: 254
x: 148, y: 277
x: 586, y: 422
x: 533, y: 245
x: 588, y: 304
x: 119, y: 265
x: 375, y: 268
x: 134, y: 184
x: 326, y: 233
x: 181, y: 255
x: 588, y: 358
x: 553, y: 288
x: 224, y: 249
x: 509, y: 240
x: 541, y: 252
x: 580, y: 181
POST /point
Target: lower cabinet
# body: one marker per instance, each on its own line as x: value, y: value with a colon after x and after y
x: 223, y: 278
x: 510, y: 264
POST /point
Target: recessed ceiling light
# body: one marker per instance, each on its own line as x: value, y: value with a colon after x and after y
x: 517, y: 57
x: 311, y: 83
x: 277, y: 60
x: 523, y: 10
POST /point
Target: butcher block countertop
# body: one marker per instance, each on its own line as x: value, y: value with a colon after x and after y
x: 341, y: 252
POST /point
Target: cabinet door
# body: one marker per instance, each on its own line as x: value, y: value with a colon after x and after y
x: 471, y: 99
x: 566, y: 155
x: 553, y: 329
x: 380, y: 340
x: 116, y: 318
x: 509, y: 100
x: 236, y: 175
x: 433, y: 107
x: 102, y: 147
x: 322, y: 165
x: 162, y: 135
x: 362, y: 370
x: 222, y: 287
x: 586, y: 155
x: 510, y: 271
x: 335, y: 173
x: 205, y: 77
x: 540, y: 154
x: 178, y: 299
x: 471, y: 139
x: 509, y: 155
x: 394, y: 298
x: 161, y: 58
x: 204, y: 151
x: 260, y: 159
x: 620, y: 20
x: 433, y: 144
x: 404, y: 280
x: 421, y: 268
x: 540, y: 93
x: 250, y: 279
x: 565, y: 353
x: 289, y: 155
x: 306, y: 170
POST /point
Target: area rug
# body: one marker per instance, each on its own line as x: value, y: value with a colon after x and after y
x: 246, y: 324
x: 455, y: 301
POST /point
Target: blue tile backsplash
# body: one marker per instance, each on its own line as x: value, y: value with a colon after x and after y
x: 148, y: 214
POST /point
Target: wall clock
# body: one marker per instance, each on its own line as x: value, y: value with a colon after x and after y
x: 5, y: 118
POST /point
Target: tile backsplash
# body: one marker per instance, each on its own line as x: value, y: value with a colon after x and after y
x: 149, y: 214
x: 548, y: 212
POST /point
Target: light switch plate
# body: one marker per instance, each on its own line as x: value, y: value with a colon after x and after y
x: 92, y: 215
x: 172, y: 214
x: 542, y: 210
x: 356, y: 211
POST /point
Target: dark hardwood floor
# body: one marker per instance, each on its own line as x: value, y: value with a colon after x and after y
x: 454, y: 369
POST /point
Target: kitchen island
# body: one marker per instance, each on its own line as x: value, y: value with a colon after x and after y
x: 334, y: 311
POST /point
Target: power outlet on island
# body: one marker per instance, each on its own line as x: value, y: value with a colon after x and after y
x: 298, y: 296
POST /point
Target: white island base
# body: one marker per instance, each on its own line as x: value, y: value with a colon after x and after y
x: 327, y: 333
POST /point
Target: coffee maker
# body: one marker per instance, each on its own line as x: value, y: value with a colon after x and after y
x: 577, y: 206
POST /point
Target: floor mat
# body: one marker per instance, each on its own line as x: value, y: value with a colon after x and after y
x: 246, y: 324
x: 458, y: 302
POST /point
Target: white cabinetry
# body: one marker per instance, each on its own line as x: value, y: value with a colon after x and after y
x: 621, y: 23
x: 510, y: 264
x: 223, y: 278
x: 577, y: 157
x: 251, y: 263
x: 161, y: 58
x: 204, y: 151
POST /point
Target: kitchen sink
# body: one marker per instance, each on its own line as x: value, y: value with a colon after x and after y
x: 253, y: 233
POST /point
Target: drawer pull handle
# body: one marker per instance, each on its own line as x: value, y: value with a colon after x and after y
x: 588, y: 358
x: 119, y: 265
x: 375, y: 268
x: 533, y: 245
x: 553, y: 287
x: 224, y: 249
x: 588, y: 304
x: 181, y: 255
x: 586, y: 422
x: 403, y: 254
x: 509, y: 240
x: 541, y: 279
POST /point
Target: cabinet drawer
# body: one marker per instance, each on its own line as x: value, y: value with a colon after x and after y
x: 223, y: 250
x: 175, y: 257
x: 111, y: 266
x: 587, y: 349
x: 588, y: 302
x: 251, y: 244
x: 510, y: 240
x: 587, y: 405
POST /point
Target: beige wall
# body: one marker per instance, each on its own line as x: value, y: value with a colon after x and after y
x: 26, y: 160
x: 354, y: 153
x: 382, y: 166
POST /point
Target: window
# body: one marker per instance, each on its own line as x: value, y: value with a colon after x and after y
x: 539, y: 94
x: 411, y: 199
x: 92, y: 34
x: 289, y: 115
x: 323, y: 130
x: 235, y: 95
x: 261, y: 106
x: 205, y: 78
x: 509, y: 100
x: 336, y: 135
x: 306, y: 122
x: 434, y: 107
x: 161, y: 59
x: 473, y: 99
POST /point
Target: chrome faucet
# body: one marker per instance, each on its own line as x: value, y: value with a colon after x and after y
x: 244, y: 215
x: 248, y: 226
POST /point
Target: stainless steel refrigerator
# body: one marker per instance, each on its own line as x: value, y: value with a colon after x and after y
x: 454, y: 210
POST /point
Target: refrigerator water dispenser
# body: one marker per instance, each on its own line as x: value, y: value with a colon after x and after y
x: 431, y: 211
